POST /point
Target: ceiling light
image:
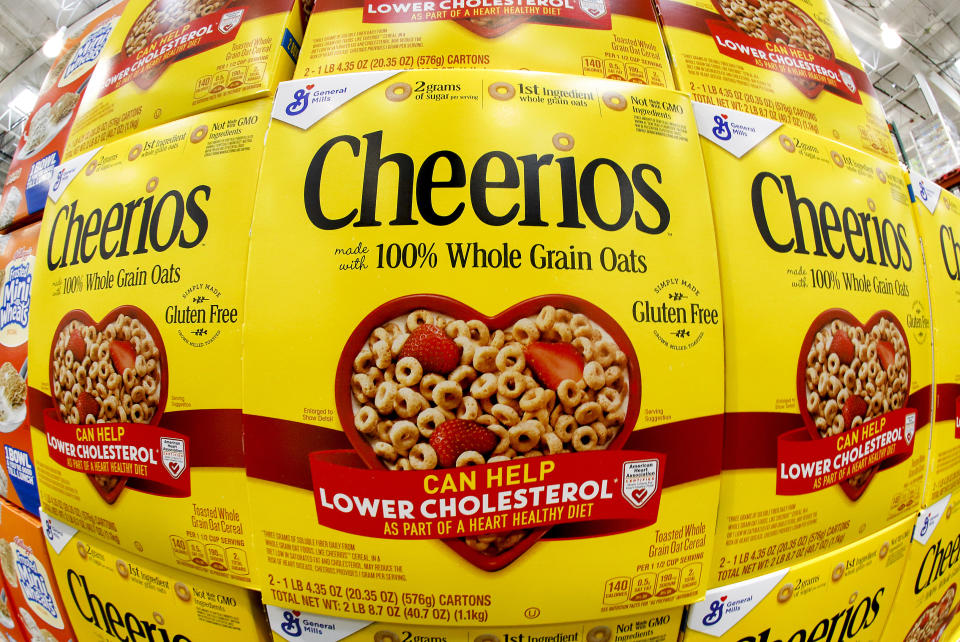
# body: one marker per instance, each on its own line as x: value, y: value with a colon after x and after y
x: 25, y: 100
x: 889, y: 36
x: 54, y: 43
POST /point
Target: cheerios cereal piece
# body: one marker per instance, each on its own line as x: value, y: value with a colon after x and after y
x: 419, y: 317
x: 785, y: 593
x: 552, y: 443
x: 408, y: 403
x: 568, y: 393
x: 448, y: 395
x: 428, y: 420
x: 511, y: 384
x: 408, y: 371
x: 505, y: 414
x: 594, y: 375
x: 423, y: 457
x: 403, y: 435
x: 525, y: 436
x: 587, y: 413
x: 470, y: 458
x: 365, y: 420
x: 463, y: 375
x: 485, y: 359
x: 468, y: 409
x: 385, y: 636
x: 584, y: 438
x: 386, y: 395
x: 838, y: 572
x: 599, y: 634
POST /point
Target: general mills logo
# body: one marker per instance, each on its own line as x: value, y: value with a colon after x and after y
x: 299, y: 103
x: 923, y: 191
x: 716, y: 612
x: 722, y: 130
x: 48, y: 529
x: 926, y: 525
x: 291, y: 624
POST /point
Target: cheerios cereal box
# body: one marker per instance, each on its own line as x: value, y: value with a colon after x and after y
x: 30, y: 582
x: 788, y: 60
x: 488, y: 380
x: 295, y: 626
x: 40, y: 149
x: 134, y: 384
x: 926, y: 603
x: 111, y: 594
x: 18, y: 482
x: 167, y: 59
x: 937, y: 214
x: 617, y: 39
x: 825, y: 305
x: 845, y: 595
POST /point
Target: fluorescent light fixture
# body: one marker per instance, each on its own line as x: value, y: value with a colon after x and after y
x: 25, y: 100
x: 889, y: 36
x: 54, y: 43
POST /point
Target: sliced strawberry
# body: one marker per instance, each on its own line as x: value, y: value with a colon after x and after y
x: 123, y: 355
x: 454, y: 437
x: 554, y: 362
x: 431, y: 346
x: 87, y: 405
x: 888, y: 356
x: 77, y: 345
x: 854, y: 406
x: 842, y: 346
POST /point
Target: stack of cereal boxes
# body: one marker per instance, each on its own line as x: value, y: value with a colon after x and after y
x: 134, y: 376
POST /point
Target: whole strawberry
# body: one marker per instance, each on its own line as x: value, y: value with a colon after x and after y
x: 454, y: 437
x: 842, y: 346
x: 853, y: 407
x: 87, y: 405
x: 431, y: 346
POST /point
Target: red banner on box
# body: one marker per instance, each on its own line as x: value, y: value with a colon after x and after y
x: 806, y: 465
x: 592, y: 14
x: 199, y: 35
x: 142, y: 451
x: 790, y: 61
x: 501, y: 497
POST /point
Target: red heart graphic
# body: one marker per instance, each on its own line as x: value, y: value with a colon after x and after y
x: 111, y: 494
x: 458, y: 310
x: 940, y: 613
x: 798, y: 17
x: 175, y: 467
x: 723, y: 116
x: 310, y: 86
x: 852, y: 489
x: 723, y: 598
x: 486, y: 30
x: 639, y: 494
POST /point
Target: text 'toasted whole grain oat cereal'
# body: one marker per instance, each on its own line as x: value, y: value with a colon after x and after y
x: 287, y: 624
x: 135, y: 365
x: 167, y: 59
x: 491, y: 347
x: 937, y: 214
x: 112, y: 594
x: 30, y: 581
x: 844, y: 595
x: 786, y: 60
x: 926, y: 604
x: 18, y: 479
x: 616, y: 39
x: 828, y: 367
x: 41, y: 147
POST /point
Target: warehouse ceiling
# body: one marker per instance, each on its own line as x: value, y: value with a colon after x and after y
x: 923, y: 70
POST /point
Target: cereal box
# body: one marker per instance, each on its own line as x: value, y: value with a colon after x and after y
x: 135, y: 372
x: 111, y: 595
x: 461, y: 416
x: 926, y: 603
x: 825, y: 301
x: 780, y: 59
x: 938, y: 222
x: 40, y: 148
x: 17, y: 474
x: 29, y: 577
x: 167, y: 59
x: 844, y: 595
x: 617, y: 39
x: 297, y: 626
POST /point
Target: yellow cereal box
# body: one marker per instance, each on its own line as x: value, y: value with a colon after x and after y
x: 111, y: 594
x: 926, y: 603
x: 31, y: 587
x: 786, y: 60
x: 134, y: 376
x: 491, y: 350
x: 937, y: 214
x: 167, y: 59
x: 825, y: 301
x: 844, y: 595
x: 617, y: 39
x: 18, y: 482
x: 297, y: 626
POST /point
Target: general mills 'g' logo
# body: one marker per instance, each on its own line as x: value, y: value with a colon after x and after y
x: 715, y: 614
x: 926, y: 525
x: 722, y: 130
x: 291, y: 624
x: 923, y: 190
x: 299, y: 103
